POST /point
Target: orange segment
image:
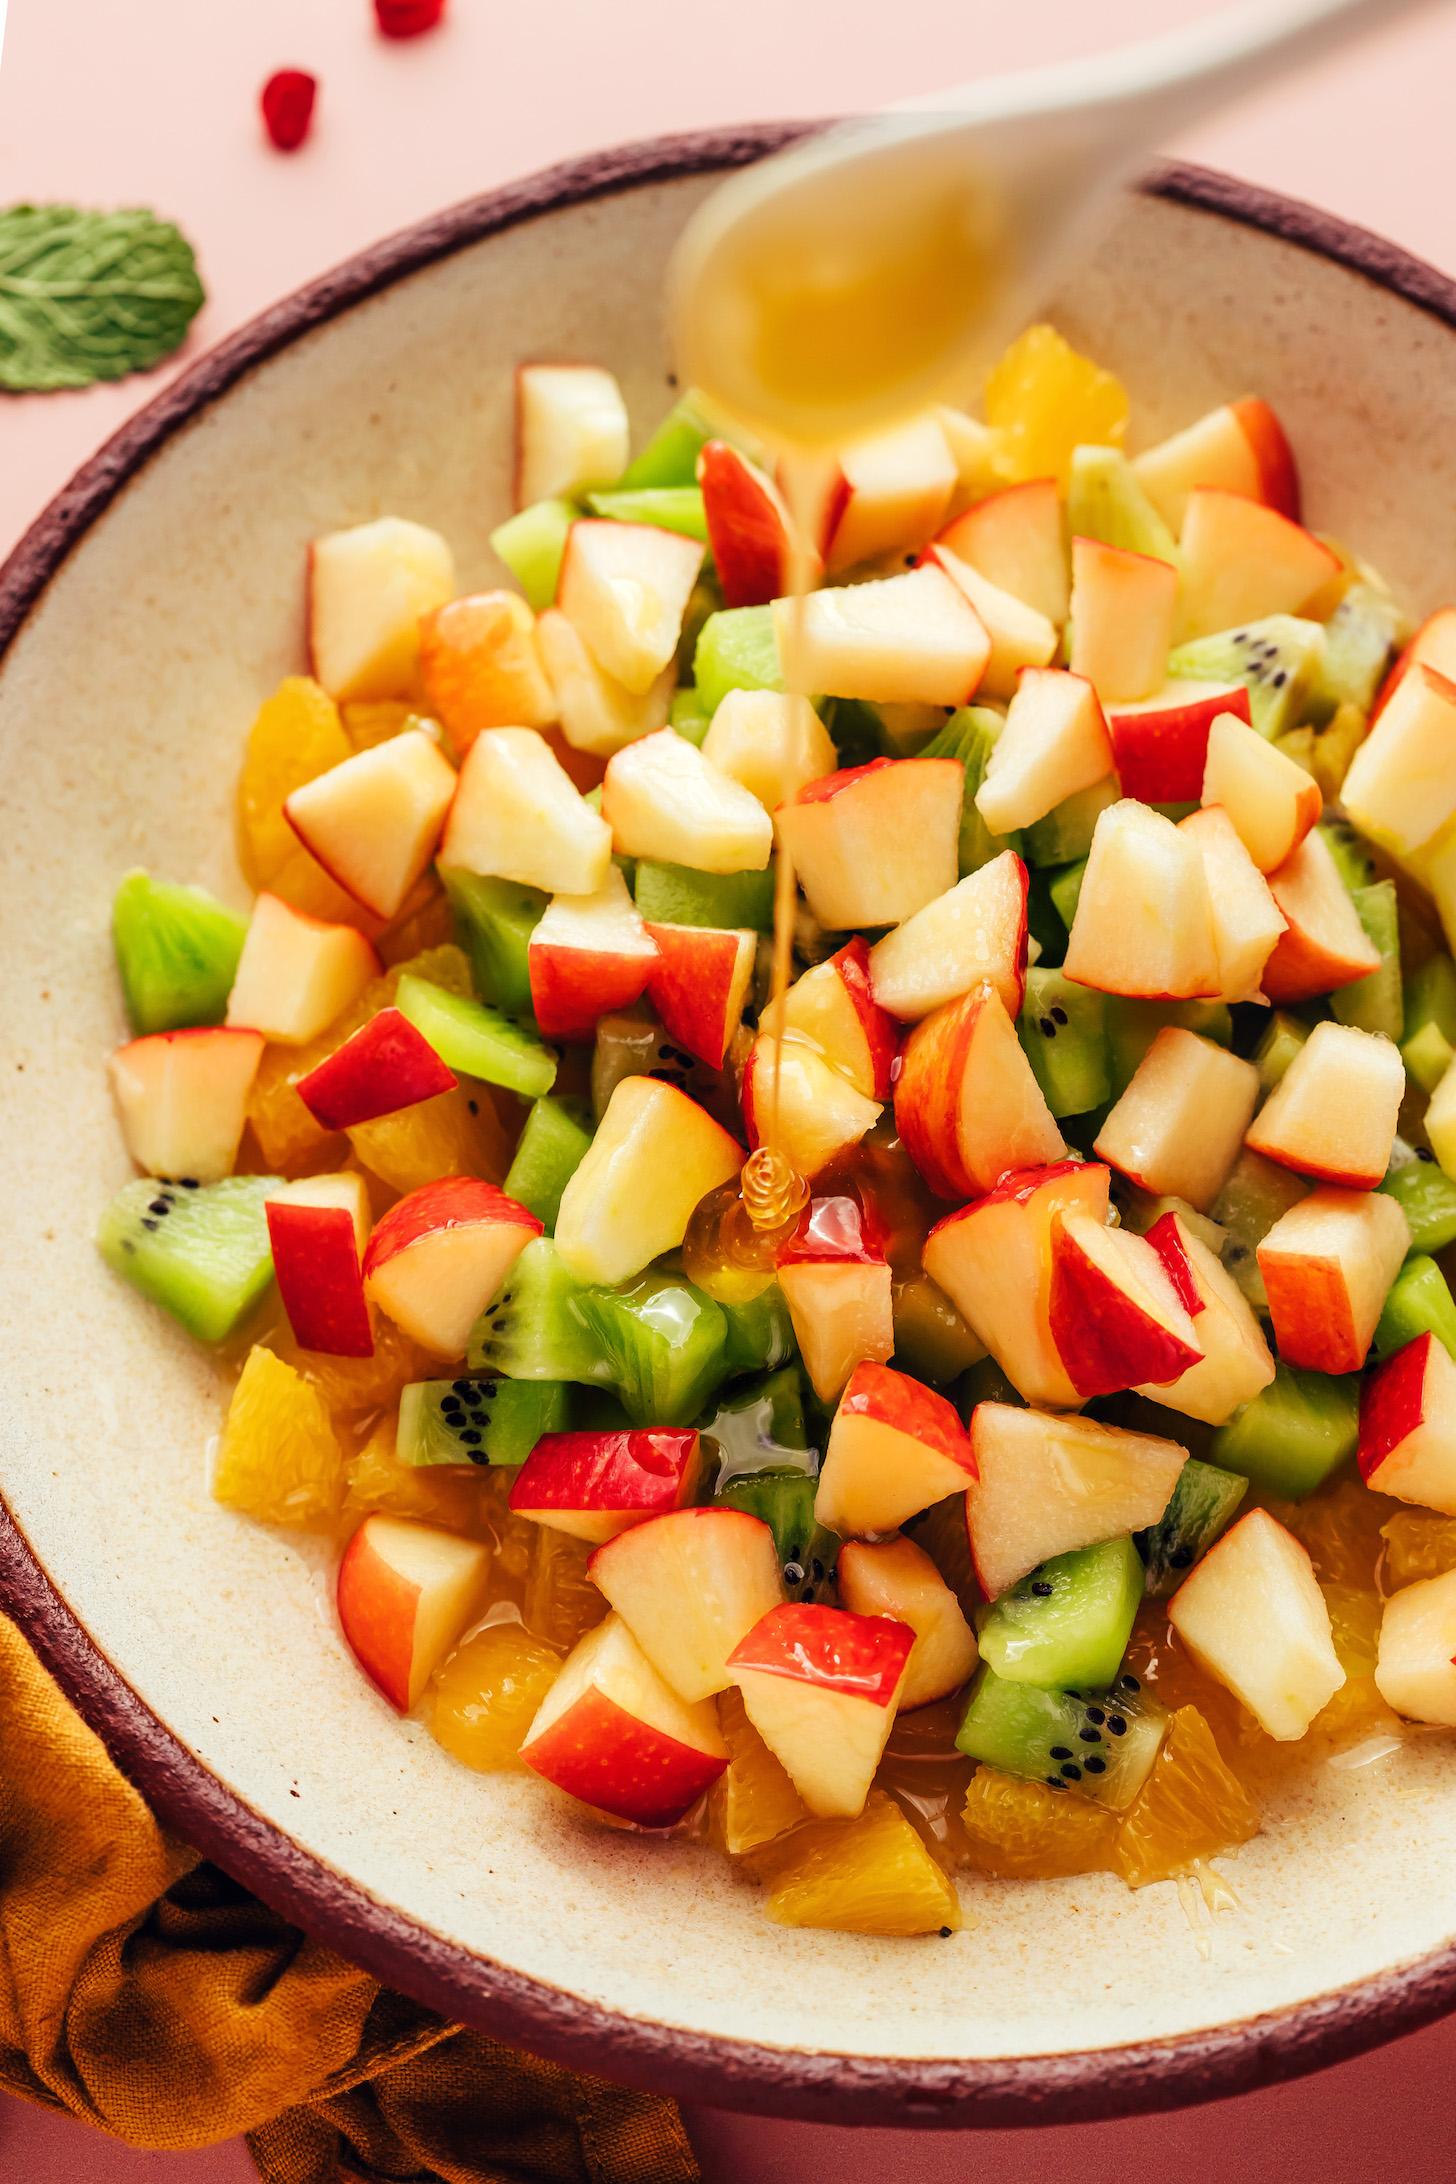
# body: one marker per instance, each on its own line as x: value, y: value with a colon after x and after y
x: 753, y: 1800
x: 278, y: 1458
x: 1192, y: 1806
x: 456, y: 1133
x: 872, y: 1875
x: 352, y: 1384
x: 1340, y: 1528
x: 940, y: 1531
x: 1418, y: 1543
x: 368, y: 721
x: 487, y: 1694
x: 1022, y: 1831
x: 562, y: 1603
x: 296, y: 737
x: 1043, y: 399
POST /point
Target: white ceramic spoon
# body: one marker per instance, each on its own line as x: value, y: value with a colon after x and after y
x: 879, y: 266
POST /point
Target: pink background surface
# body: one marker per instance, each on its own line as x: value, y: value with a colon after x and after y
x: 156, y: 104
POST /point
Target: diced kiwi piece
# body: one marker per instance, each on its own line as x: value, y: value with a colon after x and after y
x: 537, y: 1328
x: 760, y: 1333
x: 491, y: 1420
x: 675, y: 894
x: 494, y: 921
x: 1418, y: 1302
x: 1063, y: 1031
x: 1427, y: 1056
x: 1351, y: 853
x: 1276, y: 1050
x: 200, y: 1251
x: 1374, y: 1003
x: 1065, y: 889
x: 736, y: 650
x: 1102, y: 1743
x: 759, y: 1425
x: 531, y: 545
x: 1426, y: 1196
x: 1201, y: 1508
x: 970, y: 736
x: 783, y: 1498
x: 984, y: 1382
x: 932, y: 1340
x: 1105, y: 500
x: 1276, y: 660
x: 671, y: 455
x: 1068, y: 1621
x: 665, y: 1345
x: 1430, y: 998
x: 669, y: 507
x: 632, y: 1046
x: 1065, y: 834
x: 177, y: 950
x: 1294, y: 1433
x: 476, y: 1039
x: 550, y: 1149
x: 1132, y: 1026
x: 686, y: 714
x: 1257, y: 1194
x: 1359, y: 638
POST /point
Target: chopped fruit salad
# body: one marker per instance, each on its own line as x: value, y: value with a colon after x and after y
x: 966, y: 1384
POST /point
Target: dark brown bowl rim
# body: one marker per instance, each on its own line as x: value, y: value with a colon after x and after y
x: 1092, y: 2085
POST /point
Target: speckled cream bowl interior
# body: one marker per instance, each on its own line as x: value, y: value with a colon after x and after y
x: 151, y: 610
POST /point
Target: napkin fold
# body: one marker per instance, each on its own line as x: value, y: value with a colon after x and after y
x: 144, y: 1992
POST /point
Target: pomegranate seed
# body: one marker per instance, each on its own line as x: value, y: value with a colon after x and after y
x: 287, y: 104
x: 407, y: 18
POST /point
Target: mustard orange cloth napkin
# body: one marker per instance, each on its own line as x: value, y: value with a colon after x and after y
x: 145, y: 1993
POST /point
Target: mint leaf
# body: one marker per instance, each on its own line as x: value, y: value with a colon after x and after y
x: 89, y: 295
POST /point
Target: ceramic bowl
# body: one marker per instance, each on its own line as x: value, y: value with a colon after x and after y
x: 147, y: 614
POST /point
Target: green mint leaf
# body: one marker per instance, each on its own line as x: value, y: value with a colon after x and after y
x: 90, y: 295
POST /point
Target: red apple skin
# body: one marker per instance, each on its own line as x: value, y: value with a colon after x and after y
x: 316, y: 1263
x: 647, y: 1470
x: 385, y: 1066
x: 455, y: 1201
x: 1161, y: 756
x: 1273, y: 458
x: 894, y: 1399
x: 748, y: 530
x: 1433, y: 642
x: 377, y: 1610
x: 691, y: 985
x: 1103, y: 1339
x: 834, y: 1228
x: 600, y: 1753
x: 859, y: 1656
x: 1392, y: 1404
x: 933, y: 1062
x: 881, y: 1030
x: 572, y: 987
x: 1168, y: 1244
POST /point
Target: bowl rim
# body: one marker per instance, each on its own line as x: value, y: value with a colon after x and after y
x: 905, y: 2092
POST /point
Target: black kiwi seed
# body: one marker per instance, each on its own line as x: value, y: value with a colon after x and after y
x: 1073, y: 1774
x: 1094, y: 1765
x: 1181, y: 1557
x: 1095, y: 1714
x: 499, y: 1324
x: 471, y: 1440
x: 1061, y: 1751
x: 1047, y: 1028
x: 1089, y: 1736
x: 1055, y: 1782
x: 1422, y: 1154
x: 474, y: 1106
x: 793, y: 1573
x: 1116, y: 1726
x: 1059, y: 1013
x: 160, y: 1205
x: 1130, y: 1683
x: 189, y: 1183
x: 462, y: 1387
x: 152, y: 1225
x: 945, y: 1930
x: 1042, y: 1590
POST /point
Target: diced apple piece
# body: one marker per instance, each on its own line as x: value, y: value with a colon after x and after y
x: 772, y: 745
x: 625, y: 587
x: 1324, y: 944
x: 1178, y: 1127
x: 1441, y: 1122
x: 974, y: 933
x: 655, y: 1154
x: 821, y: 1687
x: 818, y: 1114
x: 1327, y: 1265
x: 1123, y: 606
x: 440, y: 1254
x: 1019, y: 637
x: 1144, y: 922
x: 518, y: 816
x: 481, y: 669
x: 1240, y: 447
x: 1115, y: 1314
x: 367, y: 589
x: 894, y: 1448
x: 894, y: 1577
x: 1247, y: 922
x: 874, y: 844
x: 1236, y: 1362
x: 1416, y: 1669
x: 901, y: 639
x: 571, y: 430
x: 690, y: 1586
x: 1046, y: 1486
x: 1433, y: 645
x: 833, y: 1004
x: 1408, y: 1426
x: 386, y: 1065
x: 1271, y: 802
x: 750, y: 530
x: 589, y: 954
x: 613, y: 1734
x: 967, y: 1103
x: 699, y: 983
x: 1333, y: 1113
x: 896, y: 487
x: 836, y: 1283
x: 597, y: 713
x: 598, y: 1485
x: 1160, y: 744
x: 662, y: 798
x: 1054, y: 743
x: 182, y: 1099
x: 406, y: 1591
x: 993, y: 1259
x: 317, y: 1229
x: 373, y: 822
x: 1242, y: 561
x: 296, y: 974
x: 1014, y: 539
x: 973, y: 449
x: 1401, y: 786
x: 1252, y: 1615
